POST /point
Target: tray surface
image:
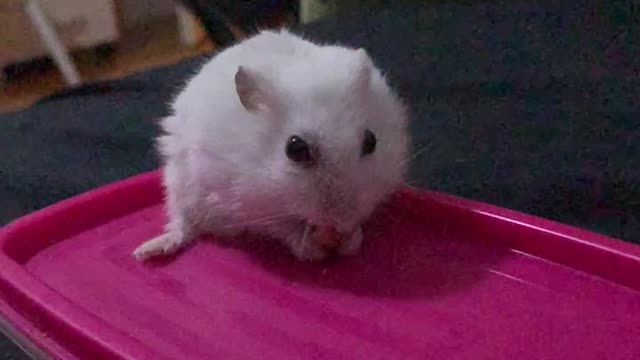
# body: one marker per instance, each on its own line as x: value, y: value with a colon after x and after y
x: 438, y: 278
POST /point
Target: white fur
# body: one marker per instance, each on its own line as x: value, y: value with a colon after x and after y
x: 226, y: 170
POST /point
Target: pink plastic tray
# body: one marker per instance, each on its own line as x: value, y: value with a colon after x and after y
x: 439, y: 278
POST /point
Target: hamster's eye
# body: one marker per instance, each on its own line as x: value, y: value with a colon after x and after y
x: 368, y: 143
x: 298, y: 150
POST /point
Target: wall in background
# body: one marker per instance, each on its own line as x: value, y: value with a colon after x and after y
x: 136, y: 12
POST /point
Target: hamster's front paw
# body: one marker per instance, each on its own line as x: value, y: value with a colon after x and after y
x: 162, y: 245
x: 305, y: 248
x: 316, y: 244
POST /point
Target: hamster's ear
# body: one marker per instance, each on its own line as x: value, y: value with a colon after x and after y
x: 252, y: 90
x: 363, y: 70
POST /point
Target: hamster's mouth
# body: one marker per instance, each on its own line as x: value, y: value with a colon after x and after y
x: 326, y: 236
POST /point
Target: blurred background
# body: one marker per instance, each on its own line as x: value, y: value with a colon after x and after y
x: 48, y: 45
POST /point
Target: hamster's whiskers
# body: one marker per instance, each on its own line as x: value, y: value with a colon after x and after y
x: 265, y: 220
x: 417, y: 153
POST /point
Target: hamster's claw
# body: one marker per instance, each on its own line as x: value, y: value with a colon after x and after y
x: 158, y: 246
x: 304, y: 248
x: 308, y: 252
x: 351, y: 247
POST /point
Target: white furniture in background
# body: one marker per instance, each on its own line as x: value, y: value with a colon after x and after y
x: 191, y: 33
x: 34, y: 28
x: 52, y: 42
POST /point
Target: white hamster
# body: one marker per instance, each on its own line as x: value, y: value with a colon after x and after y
x: 282, y: 137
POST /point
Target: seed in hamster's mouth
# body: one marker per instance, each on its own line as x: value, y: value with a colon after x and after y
x: 327, y: 236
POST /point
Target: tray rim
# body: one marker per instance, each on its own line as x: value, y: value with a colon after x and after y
x: 17, y: 280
